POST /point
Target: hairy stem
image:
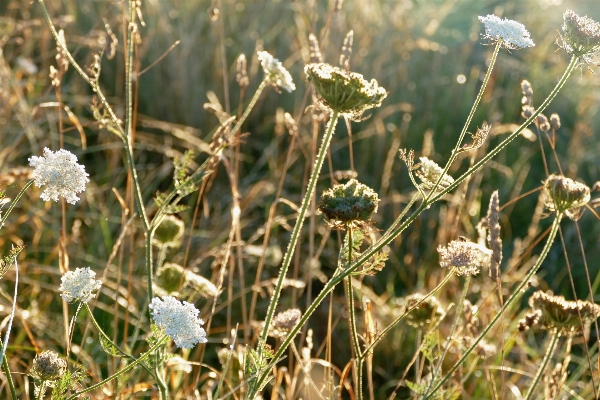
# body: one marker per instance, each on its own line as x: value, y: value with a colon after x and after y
x: 542, y: 368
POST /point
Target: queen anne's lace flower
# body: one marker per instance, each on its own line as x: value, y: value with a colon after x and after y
x: 466, y: 258
x: 79, y: 285
x: 275, y: 72
x: 581, y: 36
x: 61, y: 173
x: 179, y: 320
x: 512, y: 33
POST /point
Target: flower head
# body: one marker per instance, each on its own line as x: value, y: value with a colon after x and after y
x: 179, y: 320
x: 429, y: 172
x: 352, y: 201
x: 563, y: 315
x: 427, y: 311
x: 512, y: 33
x: 169, y: 232
x: 565, y: 195
x: 283, y: 322
x: 277, y: 75
x: 47, y: 366
x: 467, y: 258
x: 60, y: 171
x: 581, y: 36
x: 348, y: 93
x: 79, y: 285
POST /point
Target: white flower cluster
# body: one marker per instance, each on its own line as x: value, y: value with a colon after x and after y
x: 278, y: 75
x: 60, y: 171
x: 79, y: 285
x: 179, y: 320
x: 512, y: 33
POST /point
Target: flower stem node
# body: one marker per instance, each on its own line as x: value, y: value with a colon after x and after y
x: 348, y: 93
x: 79, y: 285
x: 61, y: 173
x: 565, y: 195
x: 349, y: 202
x: 179, y: 320
x: 512, y: 33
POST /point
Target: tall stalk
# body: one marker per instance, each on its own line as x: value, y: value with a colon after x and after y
x: 542, y: 368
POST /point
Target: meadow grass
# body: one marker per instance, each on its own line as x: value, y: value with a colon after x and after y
x: 206, y: 177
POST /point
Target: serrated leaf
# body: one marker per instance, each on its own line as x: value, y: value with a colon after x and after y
x: 109, y: 347
x: 180, y: 175
x: 429, y: 344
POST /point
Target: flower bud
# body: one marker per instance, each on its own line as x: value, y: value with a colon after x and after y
x: 350, y: 202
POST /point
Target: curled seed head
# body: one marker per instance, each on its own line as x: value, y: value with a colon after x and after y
x: 563, y: 315
x: 47, y: 366
x: 349, y: 202
x: 565, y: 195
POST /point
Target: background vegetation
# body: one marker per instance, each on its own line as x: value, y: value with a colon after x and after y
x: 420, y: 51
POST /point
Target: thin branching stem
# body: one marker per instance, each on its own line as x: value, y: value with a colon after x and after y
x: 542, y: 368
x: 516, y: 293
x: 11, y: 384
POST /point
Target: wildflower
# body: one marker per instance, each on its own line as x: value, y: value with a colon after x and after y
x: 277, y: 75
x: 283, y: 322
x: 60, y: 171
x: 349, y: 202
x: 429, y: 173
x: 563, y: 315
x: 527, y: 111
x: 581, y: 36
x: 429, y: 310
x: 512, y: 33
x: 79, y: 285
x: 179, y: 320
x: 348, y: 93
x: 565, y: 195
x: 169, y: 232
x: 465, y: 257
x: 47, y: 366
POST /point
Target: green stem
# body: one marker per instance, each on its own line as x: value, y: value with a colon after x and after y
x: 469, y: 118
x: 354, y: 334
x: 547, y: 357
x: 121, y: 372
x: 452, y: 332
x: 404, y: 314
x: 11, y: 385
x: 14, y: 202
x: 516, y: 293
x: 297, y: 227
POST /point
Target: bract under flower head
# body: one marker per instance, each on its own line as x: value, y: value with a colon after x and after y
x: 61, y: 173
x: 563, y: 315
x: 179, y: 320
x: 275, y: 72
x: 348, y: 93
x: 79, y: 285
x: 512, y: 33
x: 349, y: 202
x: 581, y: 36
x: 565, y: 195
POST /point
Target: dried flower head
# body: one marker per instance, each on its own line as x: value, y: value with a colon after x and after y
x: 542, y: 122
x: 512, y: 33
x: 349, y: 202
x: 527, y: 111
x: 530, y: 319
x: 429, y: 310
x: 79, y: 285
x: 61, y: 173
x: 494, y: 240
x: 173, y: 277
x: 241, y: 74
x: 169, y: 232
x: 48, y: 366
x: 314, y: 49
x: 526, y: 88
x: 179, y: 320
x: 283, y: 322
x: 276, y: 74
x: 565, y: 195
x: 348, y: 93
x: 555, y: 121
x: 581, y: 36
x: 467, y: 258
x: 563, y: 315
x: 429, y: 173
x: 347, y: 50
